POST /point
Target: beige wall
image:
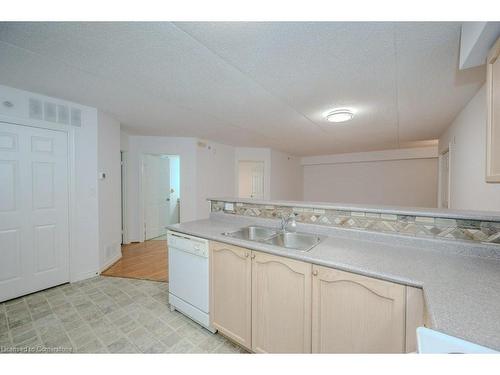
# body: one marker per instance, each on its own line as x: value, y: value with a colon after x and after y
x: 411, y: 182
x: 286, y: 177
x: 245, y: 178
x: 467, y: 135
x: 109, y: 189
x: 215, y: 174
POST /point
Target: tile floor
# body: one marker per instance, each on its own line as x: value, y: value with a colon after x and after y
x: 103, y: 315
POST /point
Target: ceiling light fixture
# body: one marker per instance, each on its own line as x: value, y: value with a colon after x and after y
x: 339, y: 115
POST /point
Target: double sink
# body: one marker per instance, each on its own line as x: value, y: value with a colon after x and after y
x: 289, y: 240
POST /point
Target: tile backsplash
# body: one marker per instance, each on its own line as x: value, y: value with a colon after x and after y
x: 420, y: 226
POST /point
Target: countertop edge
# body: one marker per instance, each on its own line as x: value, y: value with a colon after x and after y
x: 274, y: 250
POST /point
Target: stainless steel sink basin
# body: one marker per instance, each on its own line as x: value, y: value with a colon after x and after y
x: 252, y: 233
x: 271, y: 236
x: 297, y: 241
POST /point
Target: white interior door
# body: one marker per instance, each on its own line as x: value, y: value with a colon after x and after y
x: 156, y: 195
x: 174, y: 164
x: 173, y: 216
x: 34, y: 246
x: 251, y: 179
x: 164, y: 193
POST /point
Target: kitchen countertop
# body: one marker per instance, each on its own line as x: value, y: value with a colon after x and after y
x: 462, y: 293
x: 395, y: 210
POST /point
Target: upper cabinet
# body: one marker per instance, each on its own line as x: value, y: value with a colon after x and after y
x: 493, y: 127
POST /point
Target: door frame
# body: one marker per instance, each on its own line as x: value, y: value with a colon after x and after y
x: 124, y: 205
x: 71, y: 138
x: 440, y: 175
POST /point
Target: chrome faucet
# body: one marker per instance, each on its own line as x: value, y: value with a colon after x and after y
x: 288, y: 221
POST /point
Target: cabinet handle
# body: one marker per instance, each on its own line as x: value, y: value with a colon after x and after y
x: 253, y: 256
x: 315, y: 273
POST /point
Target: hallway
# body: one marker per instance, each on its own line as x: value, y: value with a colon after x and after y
x: 145, y: 260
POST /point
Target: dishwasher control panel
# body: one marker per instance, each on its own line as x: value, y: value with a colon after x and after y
x: 190, y: 244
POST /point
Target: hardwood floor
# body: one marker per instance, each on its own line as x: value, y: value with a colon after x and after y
x: 146, y: 260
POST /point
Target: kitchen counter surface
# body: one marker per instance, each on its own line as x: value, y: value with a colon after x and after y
x: 462, y: 293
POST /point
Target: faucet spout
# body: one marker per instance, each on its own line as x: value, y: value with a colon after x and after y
x: 287, y: 221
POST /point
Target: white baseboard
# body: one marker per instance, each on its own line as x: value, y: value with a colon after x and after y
x: 110, y: 261
x: 83, y: 276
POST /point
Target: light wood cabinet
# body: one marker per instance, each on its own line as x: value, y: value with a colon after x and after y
x: 273, y: 304
x: 230, y: 292
x: 356, y: 314
x: 493, y: 123
x: 281, y: 305
x: 415, y: 312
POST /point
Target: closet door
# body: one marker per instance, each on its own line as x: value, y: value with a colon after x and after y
x: 34, y: 246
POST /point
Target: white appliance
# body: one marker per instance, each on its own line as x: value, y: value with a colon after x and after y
x: 188, y: 276
x: 433, y: 342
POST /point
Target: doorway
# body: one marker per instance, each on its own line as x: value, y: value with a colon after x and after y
x: 251, y: 179
x: 161, y: 207
x: 161, y: 183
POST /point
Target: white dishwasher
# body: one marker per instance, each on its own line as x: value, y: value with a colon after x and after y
x: 434, y: 342
x: 189, y: 276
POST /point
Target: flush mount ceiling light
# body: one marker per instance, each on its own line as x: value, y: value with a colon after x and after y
x: 339, y: 115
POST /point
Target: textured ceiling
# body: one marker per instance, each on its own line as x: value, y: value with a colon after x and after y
x: 252, y: 84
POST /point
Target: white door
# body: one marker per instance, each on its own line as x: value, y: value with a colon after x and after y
x: 251, y: 179
x: 156, y: 195
x: 34, y: 247
x: 174, y: 164
x: 173, y: 216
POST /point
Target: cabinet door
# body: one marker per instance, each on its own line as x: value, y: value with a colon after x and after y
x: 281, y: 305
x: 415, y: 312
x: 356, y: 314
x: 230, y: 292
